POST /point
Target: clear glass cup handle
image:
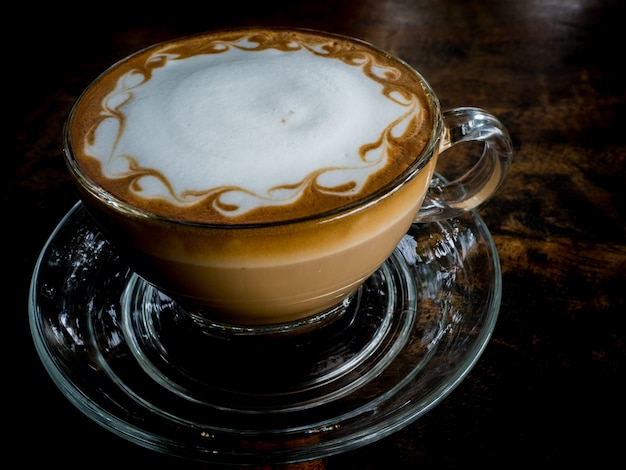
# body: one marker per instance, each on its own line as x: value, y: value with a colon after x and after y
x: 446, y: 199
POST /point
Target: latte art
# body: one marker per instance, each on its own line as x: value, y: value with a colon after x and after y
x: 229, y: 127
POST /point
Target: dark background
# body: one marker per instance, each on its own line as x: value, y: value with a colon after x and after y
x: 549, y: 388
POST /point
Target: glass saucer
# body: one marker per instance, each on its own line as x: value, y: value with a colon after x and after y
x: 130, y: 359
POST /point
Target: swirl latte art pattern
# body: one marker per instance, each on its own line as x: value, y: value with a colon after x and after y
x: 237, y: 126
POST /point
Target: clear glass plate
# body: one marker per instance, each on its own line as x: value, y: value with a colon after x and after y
x: 130, y: 359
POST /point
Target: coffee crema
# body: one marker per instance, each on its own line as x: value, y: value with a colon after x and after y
x: 250, y: 126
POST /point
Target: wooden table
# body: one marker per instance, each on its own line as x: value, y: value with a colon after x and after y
x: 549, y: 387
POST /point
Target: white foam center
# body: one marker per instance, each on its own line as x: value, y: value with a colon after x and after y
x: 248, y: 121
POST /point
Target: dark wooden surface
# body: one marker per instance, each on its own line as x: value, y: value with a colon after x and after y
x: 549, y: 386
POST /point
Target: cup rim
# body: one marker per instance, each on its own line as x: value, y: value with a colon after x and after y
x: 118, y: 205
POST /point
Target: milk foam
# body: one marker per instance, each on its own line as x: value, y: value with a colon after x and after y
x: 249, y: 128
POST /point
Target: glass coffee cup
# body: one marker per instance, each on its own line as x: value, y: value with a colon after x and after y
x: 259, y: 176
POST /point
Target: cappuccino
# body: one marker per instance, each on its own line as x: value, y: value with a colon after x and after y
x: 261, y: 174
x: 251, y: 126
